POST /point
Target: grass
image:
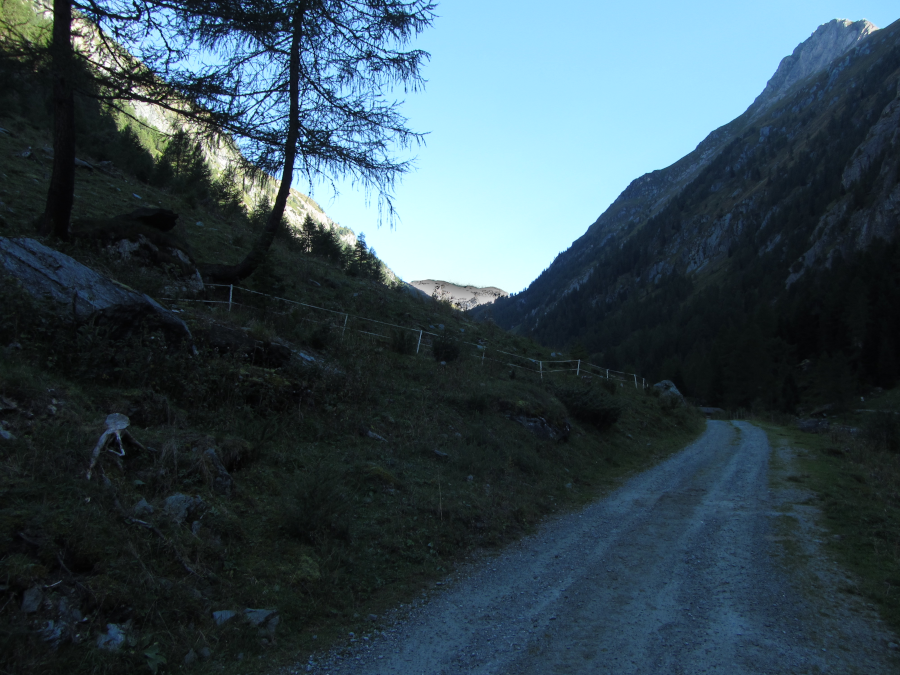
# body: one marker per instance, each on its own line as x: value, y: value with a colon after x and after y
x: 856, y: 483
x: 324, y: 523
x: 355, y: 482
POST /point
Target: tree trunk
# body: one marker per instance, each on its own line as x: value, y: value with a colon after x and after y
x: 229, y: 274
x: 60, y: 196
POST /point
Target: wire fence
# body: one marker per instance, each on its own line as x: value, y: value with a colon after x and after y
x: 425, y: 340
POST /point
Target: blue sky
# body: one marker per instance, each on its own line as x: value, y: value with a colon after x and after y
x: 540, y: 115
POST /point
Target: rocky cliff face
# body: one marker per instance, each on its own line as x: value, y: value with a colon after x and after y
x: 829, y: 41
x: 827, y: 121
x: 464, y: 297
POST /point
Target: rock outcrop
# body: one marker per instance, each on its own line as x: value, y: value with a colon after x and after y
x: 829, y: 41
x: 464, y: 297
x: 79, y: 293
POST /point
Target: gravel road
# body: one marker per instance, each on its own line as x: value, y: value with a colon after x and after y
x: 677, y: 571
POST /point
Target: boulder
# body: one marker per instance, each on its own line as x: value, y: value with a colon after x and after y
x: 223, y: 616
x: 81, y: 294
x: 668, y: 389
x: 113, y: 639
x: 179, y: 506
x: 142, y: 509
x: 31, y: 600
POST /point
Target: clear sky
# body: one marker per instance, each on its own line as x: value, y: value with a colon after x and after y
x: 540, y: 114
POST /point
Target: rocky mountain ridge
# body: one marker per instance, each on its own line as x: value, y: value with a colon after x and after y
x: 464, y: 297
x: 785, y: 202
x: 708, y: 236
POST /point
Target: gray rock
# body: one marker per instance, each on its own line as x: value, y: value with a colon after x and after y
x: 827, y: 43
x: 205, y: 653
x: 82, y: 294
x: 258, y: 617
x: 223, y: 615
x: 142, y: 508
x: 669, y: 390
x: 6, y: 436
x: 53, y: 632
x: 113, y: 639
x: 266, y: 620
x: 179, y: 506
x: 31, y: 600
x: 190, y: 657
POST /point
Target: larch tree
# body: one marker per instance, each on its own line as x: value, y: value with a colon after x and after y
x: 125, y: 54
x: 304, y: 88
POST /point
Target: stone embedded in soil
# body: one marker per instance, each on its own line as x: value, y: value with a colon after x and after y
x: 223, y: 615
x: 113, y: 639
x: 31, y: 600
x: 142, y: 508
x: 179, y: 506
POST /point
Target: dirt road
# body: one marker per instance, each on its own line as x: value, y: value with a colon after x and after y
x: 675, y: 572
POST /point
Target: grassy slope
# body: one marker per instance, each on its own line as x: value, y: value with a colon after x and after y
x: 856, y: 481
x: 324, y: 524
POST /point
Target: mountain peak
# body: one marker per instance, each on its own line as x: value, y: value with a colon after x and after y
x: 828, y: 42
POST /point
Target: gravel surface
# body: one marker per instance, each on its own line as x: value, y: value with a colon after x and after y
x: 681, y: 570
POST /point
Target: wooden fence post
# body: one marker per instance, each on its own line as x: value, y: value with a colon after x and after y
x: 578, y: 370
x: 419, y: 344
x: 344, y: 329
x: 230, y: 294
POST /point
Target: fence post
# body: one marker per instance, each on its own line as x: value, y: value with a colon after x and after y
x: 578, y: 370
x: 344, y: 329
x: 230, y: 293
x: 482, y: 356
x: 419, y: 344
x: 541, y: 369
x: 635, y: 380
x: 607, y: 373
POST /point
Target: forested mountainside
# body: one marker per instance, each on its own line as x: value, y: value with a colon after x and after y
x: 762, y: 268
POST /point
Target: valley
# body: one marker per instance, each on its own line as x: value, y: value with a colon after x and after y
x: 754, y: 247
x: 276, y: 456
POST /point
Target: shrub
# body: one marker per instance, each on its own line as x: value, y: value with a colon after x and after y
x: 882, y: 430
x: 445, y: 348
x: 404, y: 342
x: 315, y: 506
x: 321, y: 337
x: 590, y: 406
